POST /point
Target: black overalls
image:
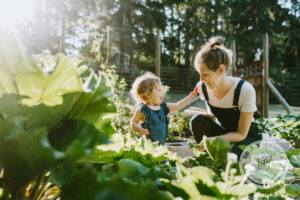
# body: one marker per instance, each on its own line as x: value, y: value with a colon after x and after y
x: 229, y: 119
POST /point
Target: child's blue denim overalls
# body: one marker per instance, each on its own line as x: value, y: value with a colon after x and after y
x: 156, y: 121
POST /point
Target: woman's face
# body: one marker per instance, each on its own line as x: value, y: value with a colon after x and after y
x: 211, y: 78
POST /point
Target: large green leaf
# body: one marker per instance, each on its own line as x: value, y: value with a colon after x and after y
x: 293, y: 190
x: 132, y: 169
x: 34, y: 104
x: 40, y: 88
x: 87, y: 183
x: 204, y: 174
x: 218, y: 150
x: 13, y: 61
x: 294, y: 157
x: 236, y: 190
x: 25, y: 156
x: 101, y: 157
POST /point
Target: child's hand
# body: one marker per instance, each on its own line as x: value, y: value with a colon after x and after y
x: 144, y: 131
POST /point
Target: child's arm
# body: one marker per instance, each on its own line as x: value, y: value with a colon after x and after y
x: 135, y: 123
x: 183, y: 102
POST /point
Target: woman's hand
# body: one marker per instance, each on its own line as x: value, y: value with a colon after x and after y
x: 195, y: 91
x: 183, y: 103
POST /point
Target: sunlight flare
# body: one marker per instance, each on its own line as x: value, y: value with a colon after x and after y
x: 15, y: 11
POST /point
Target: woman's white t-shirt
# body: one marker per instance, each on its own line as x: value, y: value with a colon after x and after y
x: 247, y: 99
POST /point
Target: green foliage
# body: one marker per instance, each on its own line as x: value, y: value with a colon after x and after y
x: 125, y: 146
x: 179, y: 127
x: 125, y: 109
x: 285, y: 126
x: 46, y: 118
x: 294, y: 157
x: 202, y: 182
x: 55, y: 119
x: 293, y: 190
x: 122, y: 167
x: 217, y: 149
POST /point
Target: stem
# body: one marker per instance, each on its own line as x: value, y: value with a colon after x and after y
x: 39, y: 186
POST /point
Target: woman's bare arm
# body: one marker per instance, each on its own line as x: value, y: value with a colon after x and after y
x: 242, y: 131
x: 173, y: 107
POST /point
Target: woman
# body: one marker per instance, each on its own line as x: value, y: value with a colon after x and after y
x: 231, y: 101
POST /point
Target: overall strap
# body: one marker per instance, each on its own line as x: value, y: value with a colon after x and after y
x: 204, y: 91
x: 237, y: 92
x: 144, y: 109
x: 165, y: 108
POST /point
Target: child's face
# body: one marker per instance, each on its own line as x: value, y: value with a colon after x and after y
x: 156, y: 96
x: 209, y: 77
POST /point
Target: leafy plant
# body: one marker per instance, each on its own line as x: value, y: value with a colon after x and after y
x: 217, y: 150
x: 203, y: 183
x: 179, y: 128
x: 285, y: 126
x: 135, y: 163
x: 46, y: 118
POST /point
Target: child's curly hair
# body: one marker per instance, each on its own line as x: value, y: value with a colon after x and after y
x: 142, y: 87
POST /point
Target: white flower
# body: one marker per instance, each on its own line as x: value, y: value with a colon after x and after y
x: 232, y: 157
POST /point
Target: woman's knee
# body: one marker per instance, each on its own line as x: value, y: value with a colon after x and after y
x: 199, y: 126
x: 198, y: 120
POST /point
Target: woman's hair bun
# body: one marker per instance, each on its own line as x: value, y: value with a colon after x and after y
x: 215, y: 41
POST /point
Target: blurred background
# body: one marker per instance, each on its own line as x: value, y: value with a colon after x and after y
x: 126, y: 33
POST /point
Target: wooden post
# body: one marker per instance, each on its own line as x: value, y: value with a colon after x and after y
x: 157, y: 54
x: 233, y: 65
x: 265, y: 75
x: 279, y: 97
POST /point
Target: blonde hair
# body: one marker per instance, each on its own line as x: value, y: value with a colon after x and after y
x: 213, y: 53
x: 143, y: 86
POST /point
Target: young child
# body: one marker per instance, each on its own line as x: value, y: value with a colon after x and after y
x: 150, y: 118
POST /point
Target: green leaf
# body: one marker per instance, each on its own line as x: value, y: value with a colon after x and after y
x: 293, y: 190
x: 204, y: 174
x: 87, y: 183
x: 294, y: 157
x: 218, y: 150
x: 102, y: 157
x: 188, y: 185
x: 296, y: 171
x: 40, y: 88
x: 72, y: 130
x: 132, y: 169
x: 236, y: 190
x: 118, y: 188
x: 12, y: 61
x: 33, y: 104
x: 24, y: 157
